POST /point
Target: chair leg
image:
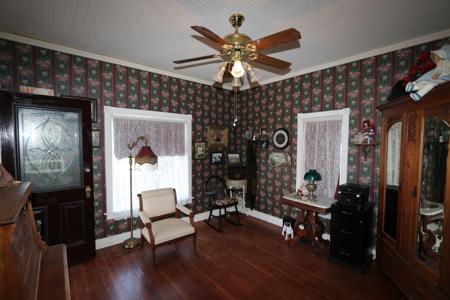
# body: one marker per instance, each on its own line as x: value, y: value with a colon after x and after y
x: 194, y: 243
x: 220, y: 219
x: 211, y: 216
x: 154, y: 255
x: 237, y: 215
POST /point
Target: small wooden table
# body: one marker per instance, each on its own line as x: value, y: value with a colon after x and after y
x: 308, y: 223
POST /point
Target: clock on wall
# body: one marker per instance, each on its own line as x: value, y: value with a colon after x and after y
x: 280, y: 138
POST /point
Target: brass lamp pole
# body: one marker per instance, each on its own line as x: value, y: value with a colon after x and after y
x: 145, y: 155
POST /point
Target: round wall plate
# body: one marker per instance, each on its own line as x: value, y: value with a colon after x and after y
x: 280, y: 138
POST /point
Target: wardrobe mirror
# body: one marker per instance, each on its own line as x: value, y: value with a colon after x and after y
x: 432, y: 191
x: 392, y: 179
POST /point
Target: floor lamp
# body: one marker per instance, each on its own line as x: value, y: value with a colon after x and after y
x: 144, y: 156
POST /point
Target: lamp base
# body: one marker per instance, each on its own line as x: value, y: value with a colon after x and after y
x: 311, y: 187
x: 131, y: 243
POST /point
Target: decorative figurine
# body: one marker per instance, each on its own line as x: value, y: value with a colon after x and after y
x: 368, y: 131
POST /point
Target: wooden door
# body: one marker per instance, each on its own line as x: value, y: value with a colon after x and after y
x: 47, y: 140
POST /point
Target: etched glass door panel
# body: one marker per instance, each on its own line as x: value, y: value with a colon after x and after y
x: 50, y: 146
x: 432, y: 191
x: 392, y: 179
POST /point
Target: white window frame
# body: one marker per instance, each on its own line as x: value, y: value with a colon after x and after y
x: 302, y: 118
x: 117, y: 112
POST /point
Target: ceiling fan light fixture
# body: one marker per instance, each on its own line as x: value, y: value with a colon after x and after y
x: 238, y: 69
x: 219, y: 76
x: 252, y: 76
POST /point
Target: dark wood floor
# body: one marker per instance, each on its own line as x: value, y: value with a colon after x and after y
x: 245, y: 262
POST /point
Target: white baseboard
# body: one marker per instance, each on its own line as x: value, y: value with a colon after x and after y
x: 119, y: 238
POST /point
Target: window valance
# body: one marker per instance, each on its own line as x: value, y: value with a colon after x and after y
x: 165, y: 138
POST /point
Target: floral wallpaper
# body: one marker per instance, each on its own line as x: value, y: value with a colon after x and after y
x: 360, y: 85
x: 118, y: 86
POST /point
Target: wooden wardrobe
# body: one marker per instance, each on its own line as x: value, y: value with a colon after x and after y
x: 414, y: 207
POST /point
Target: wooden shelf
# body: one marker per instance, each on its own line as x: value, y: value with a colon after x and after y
x: 365, y: 147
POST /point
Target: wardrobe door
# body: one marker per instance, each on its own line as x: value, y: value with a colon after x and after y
x: 431, y: 214
x: 392, y: 188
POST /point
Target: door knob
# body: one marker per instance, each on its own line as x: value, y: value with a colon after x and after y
x: 88, y: 191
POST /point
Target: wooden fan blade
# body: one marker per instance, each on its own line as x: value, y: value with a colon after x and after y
x: 210, y: 35
x: 181, y: 61
x: 285, y: 36
x: 272, y: 62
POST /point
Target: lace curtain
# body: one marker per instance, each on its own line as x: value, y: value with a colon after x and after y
x: 393, y: 160
x: 167, y: 140
x: 322, y: 152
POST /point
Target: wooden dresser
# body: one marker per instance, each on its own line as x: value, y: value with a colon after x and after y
x: 28, y: 268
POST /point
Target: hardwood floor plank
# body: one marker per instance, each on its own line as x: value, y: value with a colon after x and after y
x: 244, y: 262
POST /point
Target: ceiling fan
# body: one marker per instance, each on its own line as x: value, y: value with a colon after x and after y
x: 238, y: 49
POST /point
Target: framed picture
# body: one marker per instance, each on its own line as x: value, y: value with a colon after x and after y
x: 280, y: 138
x: 93, y: 102
x: 216, y: 158
x: 263, y: 131
x: 264, y: 144
x: 199, y: 150
x: 217, y: 137
x: 234, y: 158
x: 248, y: 135
x: 95, y: 138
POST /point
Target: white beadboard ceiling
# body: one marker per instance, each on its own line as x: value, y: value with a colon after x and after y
x: 153, y: 33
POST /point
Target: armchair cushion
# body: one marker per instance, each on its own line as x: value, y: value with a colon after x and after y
x: 158, y: 202
x: 168, y: 229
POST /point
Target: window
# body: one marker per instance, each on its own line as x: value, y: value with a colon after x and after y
x: 168, y: 134
x: 322, y: 139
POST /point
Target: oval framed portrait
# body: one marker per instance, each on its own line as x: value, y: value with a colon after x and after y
x: 280, y: 138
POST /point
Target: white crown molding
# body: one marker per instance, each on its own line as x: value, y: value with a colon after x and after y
x: 393, y: 47
x: 390, y: 48
x: 73, y: 51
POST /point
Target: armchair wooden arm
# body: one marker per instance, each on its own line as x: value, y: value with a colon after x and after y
x: 146, y: 222
x: 183, y: 209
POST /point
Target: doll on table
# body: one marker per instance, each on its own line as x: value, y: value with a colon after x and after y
x: 440, y: 74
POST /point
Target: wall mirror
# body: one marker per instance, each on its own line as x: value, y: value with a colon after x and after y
x: 432, y: 191
x: 392, y: 179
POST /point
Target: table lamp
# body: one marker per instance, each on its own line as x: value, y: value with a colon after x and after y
x: 311, y: 176
x: 144, y: 156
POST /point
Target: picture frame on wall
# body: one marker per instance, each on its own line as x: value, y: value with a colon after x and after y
x: 248, y: 135
x: 199, y: 150
x: 216, y: 158
x: 217, y: 136
x: 280, y: 138
x: 234, y: 158
x: 264, y: 144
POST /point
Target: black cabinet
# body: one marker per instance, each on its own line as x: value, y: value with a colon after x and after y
x: 350, y: 234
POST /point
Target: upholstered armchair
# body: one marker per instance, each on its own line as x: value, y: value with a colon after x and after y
x: 160, y: 217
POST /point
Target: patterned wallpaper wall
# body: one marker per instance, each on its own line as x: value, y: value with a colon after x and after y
x: 359, y: 85
x: 119, y: 86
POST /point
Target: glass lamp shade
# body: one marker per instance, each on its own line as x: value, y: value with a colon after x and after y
x: 146, y: 156
x: 312, y: 175
x: 238, y: 69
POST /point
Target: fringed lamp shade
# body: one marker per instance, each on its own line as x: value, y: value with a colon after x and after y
x: 146, y: 156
